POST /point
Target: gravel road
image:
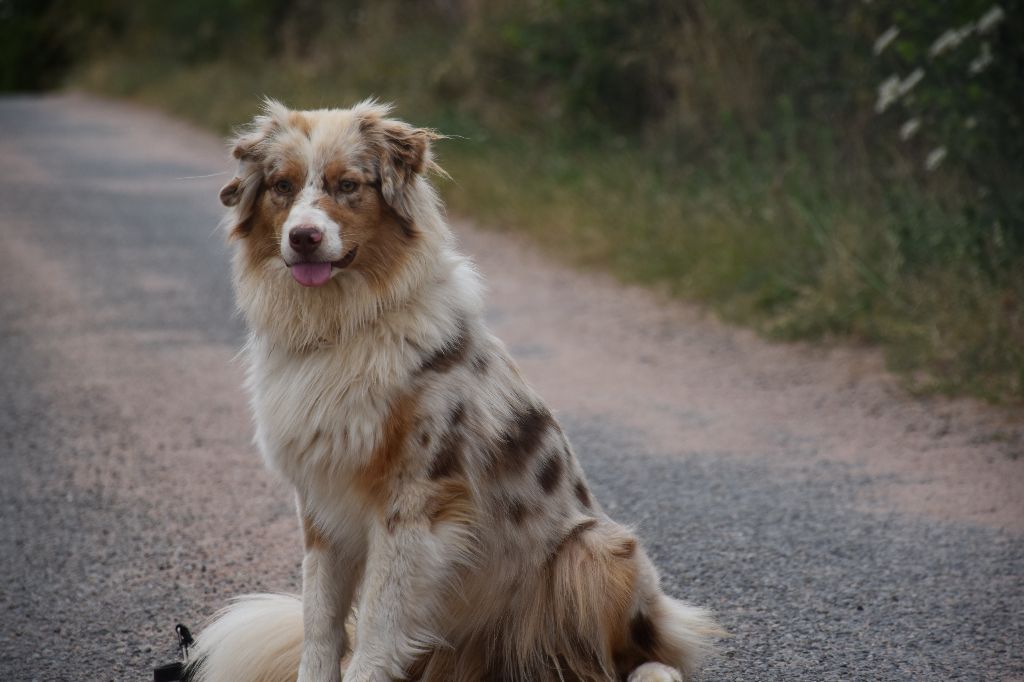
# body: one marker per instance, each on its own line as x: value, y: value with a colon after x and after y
x: 842, y: 530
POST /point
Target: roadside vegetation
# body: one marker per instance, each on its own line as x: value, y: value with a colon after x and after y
x: 847, y: 172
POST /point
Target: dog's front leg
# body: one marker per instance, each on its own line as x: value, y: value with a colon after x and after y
x: 408, y: 567
x: 329, y: 579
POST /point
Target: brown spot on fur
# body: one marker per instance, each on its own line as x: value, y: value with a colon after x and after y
x: 452, y: 503
x: 582, y: 494
x: 374, y: 479
x: 334, y: 172
x: 517, y: 511
x: 312, y: 536
x: 643, y: 633
x: 480, y: 363
x: 523, y: 437
x: 550, y: 473
x: 291, y: 169
x: 425, y: 439
x: 449, y: 355
x: 384, y: 253
x: 448, y: 460
x: 458, y: 415
x: 301, y: 123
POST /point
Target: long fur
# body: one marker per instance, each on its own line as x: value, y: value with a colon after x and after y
x: 257, y: 638
x: 439, y: 497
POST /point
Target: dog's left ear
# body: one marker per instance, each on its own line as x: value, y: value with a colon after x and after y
x: 403, y: 153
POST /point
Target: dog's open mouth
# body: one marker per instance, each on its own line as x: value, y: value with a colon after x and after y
x: 317, y: 274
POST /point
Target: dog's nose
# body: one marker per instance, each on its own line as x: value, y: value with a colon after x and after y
x: 305, y: 239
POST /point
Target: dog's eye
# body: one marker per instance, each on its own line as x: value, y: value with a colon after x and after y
x: 348, y: 186
x: 283, y: 187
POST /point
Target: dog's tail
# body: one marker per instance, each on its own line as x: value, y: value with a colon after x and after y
x: 257, y: 638
x: 683, y: 633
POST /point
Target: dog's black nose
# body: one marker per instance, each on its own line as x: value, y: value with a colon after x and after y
x: 305, y: 239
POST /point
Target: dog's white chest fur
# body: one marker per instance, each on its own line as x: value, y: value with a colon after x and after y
x: 317, y: 410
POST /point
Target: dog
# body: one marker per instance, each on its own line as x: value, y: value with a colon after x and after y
x: 448, y: 529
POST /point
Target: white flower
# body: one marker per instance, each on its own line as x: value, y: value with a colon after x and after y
x: 888, y: 92
x: 990, y: 18
x: 934, y: 158
x: 908, y: 129
x: 885, y: 39
x: 950, y: 39
x: 892, y: 88
x: 981, y: 62
x: 910, y: 81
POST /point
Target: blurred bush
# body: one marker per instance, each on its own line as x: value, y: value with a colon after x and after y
x: 843, y: 168
x: 687, y: 73
x: 34, y: 52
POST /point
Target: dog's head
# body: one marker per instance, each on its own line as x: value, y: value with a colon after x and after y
x: 329, y: 205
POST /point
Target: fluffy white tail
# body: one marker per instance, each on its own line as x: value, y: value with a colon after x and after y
x: 685, y: 633
x: 257, y: 638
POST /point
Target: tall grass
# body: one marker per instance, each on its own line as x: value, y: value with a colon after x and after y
x: 728, y: 152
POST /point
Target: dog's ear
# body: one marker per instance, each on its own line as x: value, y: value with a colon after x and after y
x: 249, y: 148
x: 231, y: 193
x: 403, y: 153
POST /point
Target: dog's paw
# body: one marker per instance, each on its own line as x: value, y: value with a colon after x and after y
x: 655, y: 672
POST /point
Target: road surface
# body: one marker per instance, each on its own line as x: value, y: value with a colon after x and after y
x: 841, y: 530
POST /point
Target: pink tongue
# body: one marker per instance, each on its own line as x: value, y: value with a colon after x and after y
x: 311, y: 274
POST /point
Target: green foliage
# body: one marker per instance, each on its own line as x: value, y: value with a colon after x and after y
x: 734, y: 152
x: 968, y: 103
x: 33, y: 53
x: 599, y: 62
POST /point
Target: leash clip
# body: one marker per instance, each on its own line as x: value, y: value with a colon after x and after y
x: 185, y: 641
x: 173, y: 672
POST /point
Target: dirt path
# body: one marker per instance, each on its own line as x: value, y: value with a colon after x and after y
x: 691, y: 384
x: 841, y: 529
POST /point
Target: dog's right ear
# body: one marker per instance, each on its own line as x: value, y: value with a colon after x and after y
x: 244, y: 148
x: 248, y: 147
x: 230, y: 194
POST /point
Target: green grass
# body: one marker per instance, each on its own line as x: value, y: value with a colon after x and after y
x: 793, y: 242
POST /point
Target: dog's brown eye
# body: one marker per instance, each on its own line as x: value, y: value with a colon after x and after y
x: 283, y: 187
x: 348, y: 186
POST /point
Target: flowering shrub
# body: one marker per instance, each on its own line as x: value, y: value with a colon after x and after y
x: 954, y: 97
